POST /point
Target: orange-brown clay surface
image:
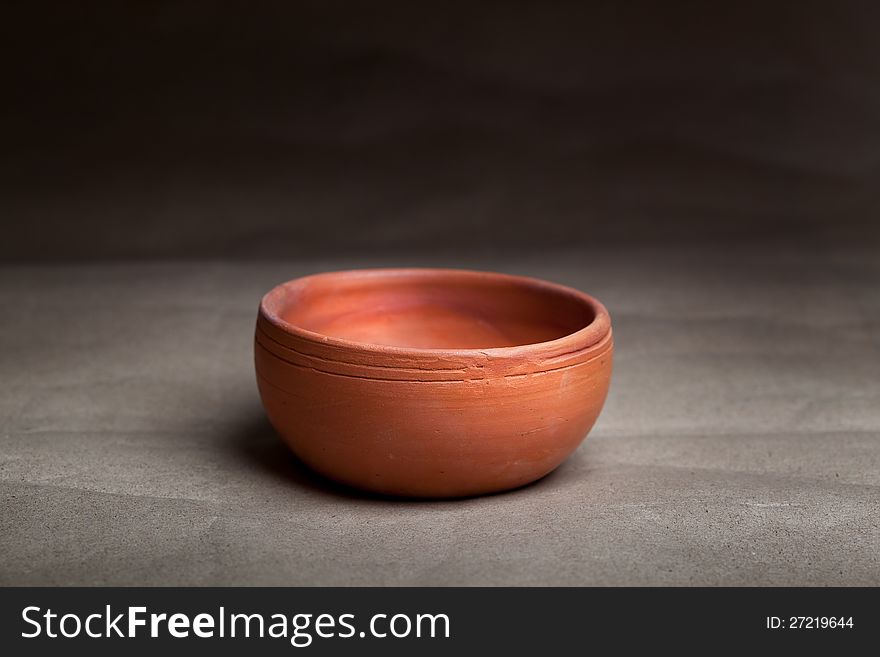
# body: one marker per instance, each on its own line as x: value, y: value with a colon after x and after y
x: 432, y: 382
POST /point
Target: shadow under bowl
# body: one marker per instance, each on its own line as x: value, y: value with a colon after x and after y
x: 432, y: 382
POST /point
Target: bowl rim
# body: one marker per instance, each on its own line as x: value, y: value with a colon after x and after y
x: 594, y: 334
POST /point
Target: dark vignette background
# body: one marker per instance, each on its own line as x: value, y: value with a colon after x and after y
x: 709, y: 170
x: 245, y: 130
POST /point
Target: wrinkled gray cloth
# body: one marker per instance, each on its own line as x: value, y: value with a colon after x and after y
x: 740, y: 443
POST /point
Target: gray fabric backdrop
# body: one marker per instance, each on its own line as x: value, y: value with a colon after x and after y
x: 179, y: 129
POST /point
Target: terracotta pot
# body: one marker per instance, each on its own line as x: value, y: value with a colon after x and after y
x: 432, y: 382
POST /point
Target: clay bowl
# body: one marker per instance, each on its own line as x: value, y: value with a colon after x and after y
x: 431, y: 382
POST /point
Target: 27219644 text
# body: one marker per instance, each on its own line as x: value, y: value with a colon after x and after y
x: 809, y: 622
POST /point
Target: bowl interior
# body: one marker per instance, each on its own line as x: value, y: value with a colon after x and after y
x: 432, y: 309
